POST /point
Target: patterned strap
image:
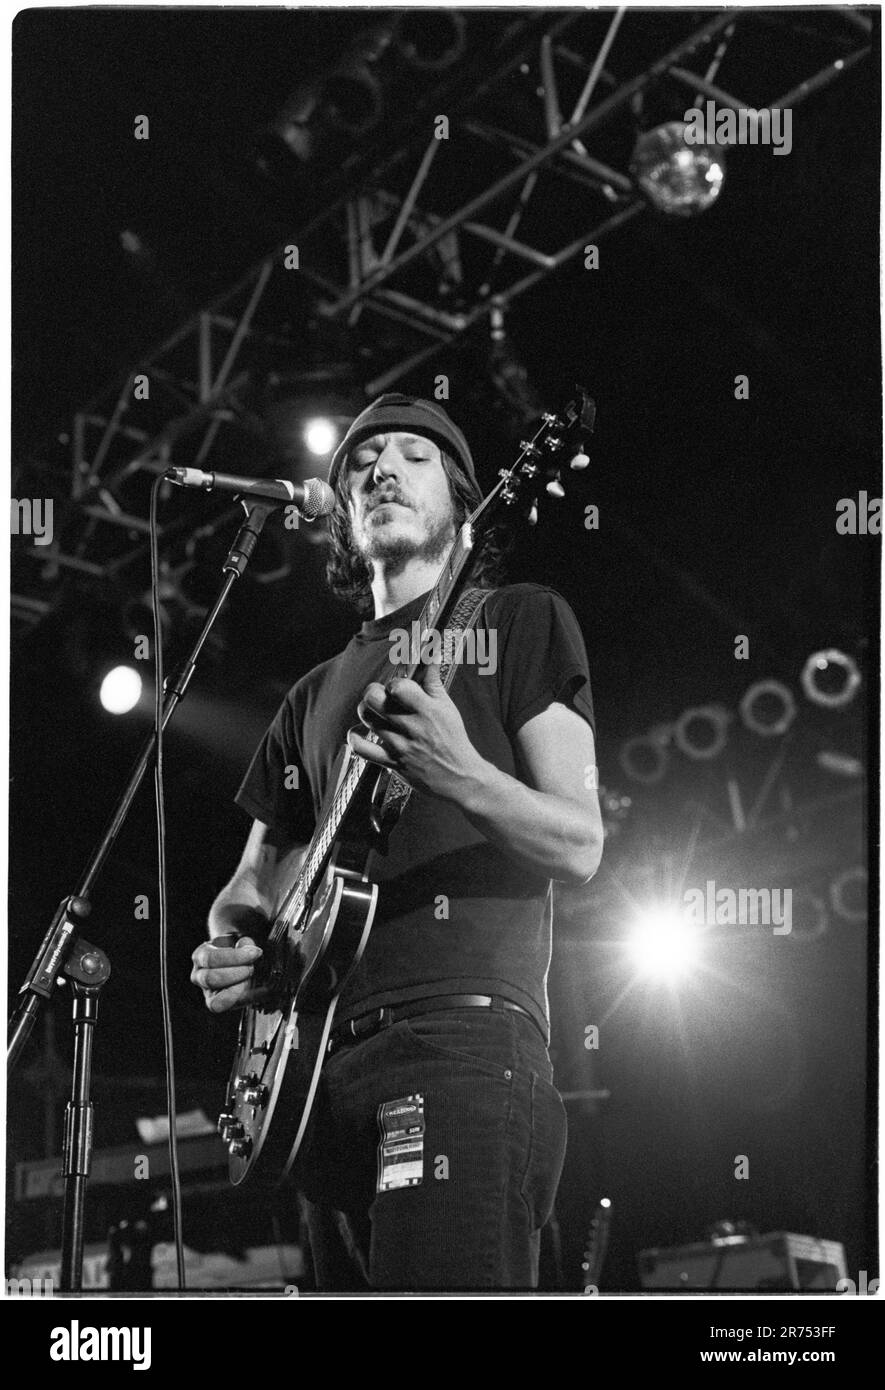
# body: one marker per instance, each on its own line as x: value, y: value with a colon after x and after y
x: 465, y: 615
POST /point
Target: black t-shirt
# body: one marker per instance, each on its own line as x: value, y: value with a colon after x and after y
x: 455, y: 914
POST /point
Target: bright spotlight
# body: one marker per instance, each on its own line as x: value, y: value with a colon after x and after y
x: 664, y: 944
x: 320, y: 436
x: 120, y: 690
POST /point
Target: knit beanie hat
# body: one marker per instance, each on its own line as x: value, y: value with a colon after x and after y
x: 410, y: 415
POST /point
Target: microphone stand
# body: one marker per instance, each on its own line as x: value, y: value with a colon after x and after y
x: 64, y: 952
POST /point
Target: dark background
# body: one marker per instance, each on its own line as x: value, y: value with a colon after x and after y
x: 717, y: 519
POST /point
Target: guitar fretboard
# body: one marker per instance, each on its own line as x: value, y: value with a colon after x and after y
x: 437, y: 607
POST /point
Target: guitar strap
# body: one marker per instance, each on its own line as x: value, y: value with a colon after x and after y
x: 465, y: 616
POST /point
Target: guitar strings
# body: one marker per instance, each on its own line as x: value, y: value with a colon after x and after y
x: 296, y: 900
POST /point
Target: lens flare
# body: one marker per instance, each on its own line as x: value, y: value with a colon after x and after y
x: 664, y: 944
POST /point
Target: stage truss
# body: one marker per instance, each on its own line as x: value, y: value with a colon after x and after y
x: 411, y: 249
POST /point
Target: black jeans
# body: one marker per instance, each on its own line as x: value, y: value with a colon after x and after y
x: 493, y: 1148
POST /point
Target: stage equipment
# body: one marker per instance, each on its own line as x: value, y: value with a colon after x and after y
x: 120, y: 690
x: 275, y: 1268
x: 827, y: 662
x: 775, y: 1262
x: 345, y: 100
x: 849, y: 893
x: 687, y: 729
x: 320, y: 436
x: 597, y: 1245
x: 664, y: 944
x: 431, y: 40
x: 63, y: 952
x: 203, y: 1156
x: 679, y: 179
x: 504, y: 97
x: 770, y: 727
x: 645, y: 758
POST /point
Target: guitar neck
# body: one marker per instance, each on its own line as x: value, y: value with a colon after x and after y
x: 436, y: 611
x: 522, y: 476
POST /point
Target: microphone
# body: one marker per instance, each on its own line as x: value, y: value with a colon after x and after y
x: 313, y: 498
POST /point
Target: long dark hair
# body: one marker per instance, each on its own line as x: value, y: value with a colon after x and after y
x: 350, y: 576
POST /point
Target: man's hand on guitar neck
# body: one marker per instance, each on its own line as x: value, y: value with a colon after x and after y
x: 548, y: 819
x: 422, y: 735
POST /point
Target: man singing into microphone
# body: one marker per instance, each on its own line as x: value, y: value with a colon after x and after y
x: 449, y: 1003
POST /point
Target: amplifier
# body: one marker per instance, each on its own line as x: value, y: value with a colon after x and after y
x: 779, y: 1261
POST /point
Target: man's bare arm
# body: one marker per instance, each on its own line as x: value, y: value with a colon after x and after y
x: 266, y: 866
x: 552, y: 819
x: 244, y: 907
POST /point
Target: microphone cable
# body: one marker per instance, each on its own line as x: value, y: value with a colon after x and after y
x: 168, y: 1044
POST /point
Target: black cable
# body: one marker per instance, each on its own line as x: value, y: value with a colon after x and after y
x: 174, y: 1172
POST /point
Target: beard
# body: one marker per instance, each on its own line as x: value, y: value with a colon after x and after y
x: 394, y: 551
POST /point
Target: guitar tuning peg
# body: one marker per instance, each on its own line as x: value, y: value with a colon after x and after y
x: 555, y: 487
x: 579, y: 461
x: 533, y: 515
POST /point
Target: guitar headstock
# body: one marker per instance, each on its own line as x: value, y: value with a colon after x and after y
x: 560, y: 436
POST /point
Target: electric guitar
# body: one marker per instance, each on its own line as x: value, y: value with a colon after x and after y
x: 322, y: 923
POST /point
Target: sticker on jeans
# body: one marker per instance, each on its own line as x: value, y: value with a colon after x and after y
x: 401, y: 1151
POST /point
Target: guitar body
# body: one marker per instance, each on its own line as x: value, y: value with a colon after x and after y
x: 284, y: 1032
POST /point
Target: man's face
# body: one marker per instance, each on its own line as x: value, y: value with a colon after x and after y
x: 400, y: 505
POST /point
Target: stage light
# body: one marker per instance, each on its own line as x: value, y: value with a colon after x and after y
x: 352, y: 99
x: 702, y: 731
x: 320, y: 436
x: 776, y: 720
x: 341, y: 104
x: 431, y: 40
x: 835, y: 669
x: 678, y: 178
x: 644, y: 758
x: 120, y: 690
x: 664, y: 944
x: 849, y: 892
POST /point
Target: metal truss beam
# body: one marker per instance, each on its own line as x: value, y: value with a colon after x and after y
x: 442, y: 263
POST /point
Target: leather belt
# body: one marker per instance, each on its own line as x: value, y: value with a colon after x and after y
x: 367, y: 1025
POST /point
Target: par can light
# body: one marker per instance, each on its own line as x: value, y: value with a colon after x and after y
x: 780, y: 723
x: 688, y: 735
x: 644, y: 759
x: 848, y: 894
x: 825, y: 663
